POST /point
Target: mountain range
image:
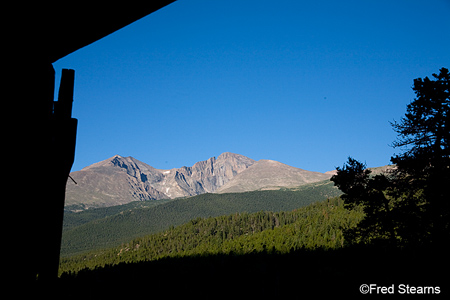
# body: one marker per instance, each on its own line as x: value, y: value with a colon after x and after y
x: 120, y: 180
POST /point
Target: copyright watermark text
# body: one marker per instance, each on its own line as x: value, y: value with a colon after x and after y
x: 398, y: 289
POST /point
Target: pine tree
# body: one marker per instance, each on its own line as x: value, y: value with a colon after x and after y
x: 410, y: 205
x: 423, y: 169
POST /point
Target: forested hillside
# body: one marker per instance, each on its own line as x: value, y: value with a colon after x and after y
x: 315, y: 226
x: 108, y: 227
x: 75, y: 219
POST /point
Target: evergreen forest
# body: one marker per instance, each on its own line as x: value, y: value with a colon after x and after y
x: 315, y: 226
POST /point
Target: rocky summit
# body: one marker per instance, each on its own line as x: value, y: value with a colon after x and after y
x: 119, y: 180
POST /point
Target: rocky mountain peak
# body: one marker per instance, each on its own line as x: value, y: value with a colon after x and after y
x: 120, y: 180
x: 213, y: 173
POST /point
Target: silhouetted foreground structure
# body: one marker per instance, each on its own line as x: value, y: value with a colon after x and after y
x: 41, y: 133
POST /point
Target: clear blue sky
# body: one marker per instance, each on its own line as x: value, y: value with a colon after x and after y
x: 306, y: 83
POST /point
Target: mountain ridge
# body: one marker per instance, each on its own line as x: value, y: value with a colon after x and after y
x: 120, y: 180
x: 270, y: 174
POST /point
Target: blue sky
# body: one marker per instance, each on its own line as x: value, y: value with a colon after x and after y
x: 306, y: 83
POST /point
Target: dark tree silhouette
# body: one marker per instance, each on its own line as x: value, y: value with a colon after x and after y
x: 424, y: 133
x: 424, y: 166
x: 370, y: 192
x: 410, y: 204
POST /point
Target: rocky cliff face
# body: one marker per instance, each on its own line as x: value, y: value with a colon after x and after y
x: 213, y: 173
x: 120, y: 180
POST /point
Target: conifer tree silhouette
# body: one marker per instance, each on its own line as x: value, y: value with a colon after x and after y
x: 410, y: 204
